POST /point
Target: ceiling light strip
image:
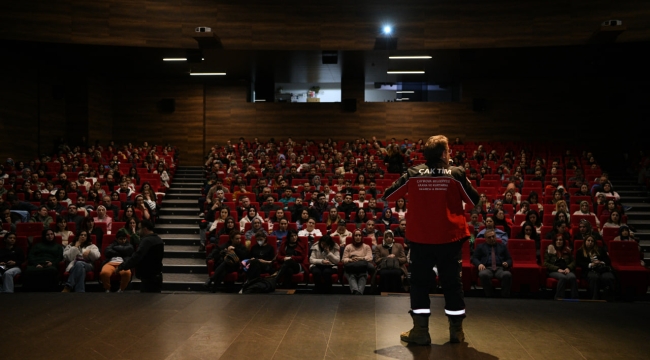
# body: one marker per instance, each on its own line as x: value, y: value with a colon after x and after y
x: 208, y: 74
x: 174, y: 59
x: 405, y: 92
x: 405, y: 72
x: 409, y: 57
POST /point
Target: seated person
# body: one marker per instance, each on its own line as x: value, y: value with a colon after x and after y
x: 560, y: 230
x: 523, y: 208
x: 595, y: 265
x: 42, y: 271
x: 390, y: 259
x: 348, y: 207
x: 609, y: 192
x: 532, y: 216
x: 324, y: 258
x: 400, y: 208
x: 560, y: 265
x: 341, y: 233
x: 528, y: 233
x: 269, y: 206
x: 255, y: 229
x: 291, y: 256
x: 281, y: 231
x: 80, y: 257
x: 372, y: 232
x: 42, y: 217
x: 387, y: 218
x: 614, y: 220
x: 310, y: 229
x: 250, y: 215
x: 489, y: 225
x: 584, y: 210
x: 102, y: 216
x: 116, y: 253
x: 372, y: 207
x: 585, y: 230
x: 356, y: 259
x: 227, y: 258
x: 263, y: 252
x: 11, y: 258
x: 561, y: 207
x: 493, y: 261
x: 332, y: 217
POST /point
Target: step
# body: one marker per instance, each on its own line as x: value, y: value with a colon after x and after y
x: 185, y: 185
x: 184, y: 265
x: 626, y: 193
x: 180, y: 203
x: 639, y: 225
x: 183, y: 196
x: 181, y: 239
x: 184, y: 251
x: 179, y: 219
x: 637, y: 215
x: 642, y: 235
x: 184, y: 282
x: 626, y: 199
x: 177, y: 229
x: 638, y: 206
x: 196, y: 191
x: 188, y: 211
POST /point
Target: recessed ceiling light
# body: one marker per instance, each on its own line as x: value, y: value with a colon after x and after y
x: 208, y: 74
x: 405, y: 72
x: 410, y: 57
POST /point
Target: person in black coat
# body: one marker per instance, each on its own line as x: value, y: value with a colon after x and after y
x: 147, y: 259
x: 493, y: 261
x: 263, y: 252
x: 116, y: 253
x: 347, y: 207
x: 596, y: 268
x: 227, y: 258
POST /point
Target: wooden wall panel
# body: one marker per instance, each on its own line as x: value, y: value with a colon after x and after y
x: 18, y: 115
x: 137, y: 118
x: 334, y: 25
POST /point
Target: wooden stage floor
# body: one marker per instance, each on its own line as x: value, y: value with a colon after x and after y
x: 228, y: 326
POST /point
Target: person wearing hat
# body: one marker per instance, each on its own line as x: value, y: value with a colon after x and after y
x: 116, y: 253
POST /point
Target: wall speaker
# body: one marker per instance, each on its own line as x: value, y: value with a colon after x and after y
x: 350, y: 105
x: 167, y: 106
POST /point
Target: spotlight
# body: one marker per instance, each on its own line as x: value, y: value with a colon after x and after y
x: 388, y: 30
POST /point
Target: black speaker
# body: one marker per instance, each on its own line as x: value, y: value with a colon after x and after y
x: 479, y: 104
x: 350, y: 105
x: 330, y: 57
x: 167, y: 106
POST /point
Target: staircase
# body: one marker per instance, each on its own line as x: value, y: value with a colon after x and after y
x: 184, y: 266
x: 638, y: 198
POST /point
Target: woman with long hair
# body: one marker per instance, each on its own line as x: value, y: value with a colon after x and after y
x: 80, y: 257
x: 325, y: 255
x: 360, y: 218
x: 356, y: 259
x: 291, y: 256
x: 332, y: 218
x: 400, y: 208
x: 560, y: 265
x: 62, y: 230
x: 595, y: 265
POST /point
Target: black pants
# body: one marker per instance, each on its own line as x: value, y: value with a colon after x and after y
x: 448, y: 258
x: 322, y: 277
x: 390, y: 280
x: 221, y: 270
x: 287, y: 270
x: 151, y: 284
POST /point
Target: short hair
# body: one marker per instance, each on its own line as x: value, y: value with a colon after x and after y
x: 148, y: 224
x: 435, y: 146
x: 490, y: 231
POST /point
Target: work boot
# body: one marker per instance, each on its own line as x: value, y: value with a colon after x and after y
x: 456, y: 334
x: 419, y: 335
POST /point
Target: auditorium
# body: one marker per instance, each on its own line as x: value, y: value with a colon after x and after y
x: 219, y: 179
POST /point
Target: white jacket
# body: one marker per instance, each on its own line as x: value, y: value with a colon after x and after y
x: 71, y: 252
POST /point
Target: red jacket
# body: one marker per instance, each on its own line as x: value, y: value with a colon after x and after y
x: 435, y: 203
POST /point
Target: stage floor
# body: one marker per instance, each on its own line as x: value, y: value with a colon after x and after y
x: 211, y: 326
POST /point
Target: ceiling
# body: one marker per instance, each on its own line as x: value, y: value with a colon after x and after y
x: 445, y: 66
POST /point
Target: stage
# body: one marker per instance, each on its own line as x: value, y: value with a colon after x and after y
x: 229, y: 326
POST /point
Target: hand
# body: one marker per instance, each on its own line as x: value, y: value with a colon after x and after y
x: 504, y: 264
x: 86, y: 253
x: 326, y: 262
x: 481, y: 267
x: 39, y: 266
x: 287, y: 258
x: 10, y: 263
x: 48, y: 264
x: 231, y: 248
x: 566, y: 271
x: 527, y: 237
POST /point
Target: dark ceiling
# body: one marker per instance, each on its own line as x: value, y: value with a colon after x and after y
x: 306, y: 66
